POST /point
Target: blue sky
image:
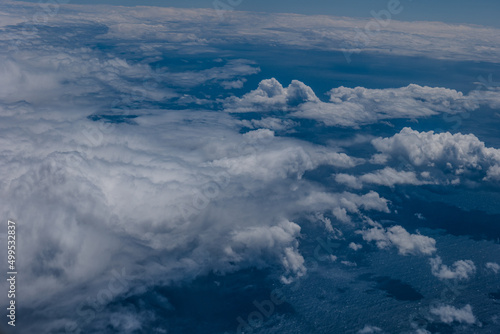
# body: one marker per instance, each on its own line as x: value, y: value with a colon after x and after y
x: 483, y: 12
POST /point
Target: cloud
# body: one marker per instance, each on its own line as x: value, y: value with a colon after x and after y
x: 355, y: 246
x: 278, y: 159
x: 397, y: 236
x: 493, y: 266
x: 343, y: 203
x: 422, y: 331
x: 369, y: 330
x: 446, y: 156
x: 271, y: 96
x: 229, y: 75
x: 389, y: 177
x: 185, y: 191
x: 449, y: 314
x: 461, y: 270
x: 253, y: 243
x: 420, y: 216
x: 352, y: 107
x: 271, y: 123
x: 167, y: 196
x: 236, y: 84
x: 193, y: 30
x: 106, y: 169
x: 349, y: 180
x: 385, y: 177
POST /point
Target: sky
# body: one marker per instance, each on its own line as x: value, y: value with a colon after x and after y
x: 185, y: 170
x: 483, y: 12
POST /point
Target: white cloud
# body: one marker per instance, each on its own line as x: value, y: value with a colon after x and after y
x: 390, y: 177
x: 271, y: 96
x: 254, y: 243
x: 445, y: 155
x: 355, y: 246
x: 420, y: 216
x: 493, y: 266
x: 462, y: 269
x: 349, y: 180
x: 397, y: 236
x: 369, y: 330
x: 236, y: 84
x: 271, y: 123
x: 449, y: 314
x: 184, y: 190
x: 270, y: 157
x: 349, y: 263
x: 228, y: 75
x: 422, y: 331
x: 195, y: 29
x: 179, y: 193
x: 352, y: 107
x: 386, y: 177
x: 344, y: 203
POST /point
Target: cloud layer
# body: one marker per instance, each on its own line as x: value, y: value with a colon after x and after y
x: 119, y: 163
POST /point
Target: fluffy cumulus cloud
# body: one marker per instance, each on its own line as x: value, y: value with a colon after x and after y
x: 449, y: 314
x: 255, y: 242
x: 448, y: 156
x: 271, y: 96
x: 352, y: 107
x: 357, y: 106
x: 461, y: 269
x: 398, y: 237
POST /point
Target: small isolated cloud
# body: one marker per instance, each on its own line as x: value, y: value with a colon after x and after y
x: 397, y: 236
x: 449, y: 314
x: 349, y: 263
x: 355, y: 246
x: 369, y: 330
x: 420, y: 216
x: 462, y: 269
x: 495, y: 267
x: 235, y: 84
